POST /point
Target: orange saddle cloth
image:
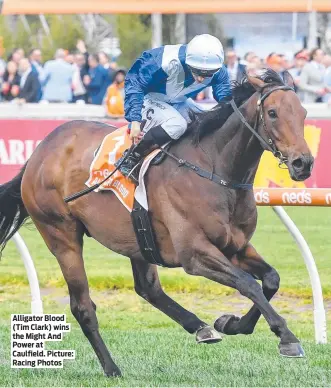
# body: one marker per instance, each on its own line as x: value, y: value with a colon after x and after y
x: 103, y: 164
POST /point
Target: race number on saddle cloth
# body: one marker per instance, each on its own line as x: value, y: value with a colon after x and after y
x: 103, y: 164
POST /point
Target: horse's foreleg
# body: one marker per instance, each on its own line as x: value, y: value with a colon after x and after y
x: 250, y: 261
x: 65, y: 241
x: 147, y: 285
x: 209, y: 262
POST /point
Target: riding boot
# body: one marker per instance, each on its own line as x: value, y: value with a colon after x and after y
x: 152, y: 140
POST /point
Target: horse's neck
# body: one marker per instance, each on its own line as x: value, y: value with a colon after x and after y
x: 237, y: 151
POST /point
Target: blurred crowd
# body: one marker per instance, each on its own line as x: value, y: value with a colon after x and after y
x: 78, y: 77
x: 86, y: 78
x: 310, y: 70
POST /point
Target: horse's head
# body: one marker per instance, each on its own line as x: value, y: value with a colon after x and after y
x: 281, y: 124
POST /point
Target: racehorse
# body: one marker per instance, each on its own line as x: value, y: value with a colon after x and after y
x: 202, y: 222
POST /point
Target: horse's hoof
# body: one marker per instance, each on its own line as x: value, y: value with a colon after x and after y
x: 207, y: 335
x: 115, y: 372
x: 227, y: 324
x: 291, y: 350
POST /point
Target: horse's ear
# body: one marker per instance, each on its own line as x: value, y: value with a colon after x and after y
x: 288, y: 79
x: 257, y: 83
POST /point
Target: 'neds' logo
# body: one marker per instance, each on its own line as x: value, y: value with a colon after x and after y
x: 262, y: 196
x: 302, y: 198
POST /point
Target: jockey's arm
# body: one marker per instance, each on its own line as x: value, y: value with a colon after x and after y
x: 221, y: 85
x: 137, y: 80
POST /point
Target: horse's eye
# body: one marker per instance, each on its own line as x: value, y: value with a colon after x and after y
x: 272, y: 113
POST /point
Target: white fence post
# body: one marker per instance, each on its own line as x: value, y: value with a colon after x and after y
x: 36, y: 302
x: 319, y: 311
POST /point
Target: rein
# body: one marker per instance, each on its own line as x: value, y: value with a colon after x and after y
x: 268, y: 145
x: 210, y: 175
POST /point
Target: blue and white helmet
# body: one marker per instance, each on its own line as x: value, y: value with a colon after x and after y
x: 205, y: 55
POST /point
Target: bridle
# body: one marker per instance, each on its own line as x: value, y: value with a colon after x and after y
x: 269, y: 143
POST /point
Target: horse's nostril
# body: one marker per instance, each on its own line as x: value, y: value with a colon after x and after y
x: 297, y: 163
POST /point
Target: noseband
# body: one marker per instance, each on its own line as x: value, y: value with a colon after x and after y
x: 269, y: 144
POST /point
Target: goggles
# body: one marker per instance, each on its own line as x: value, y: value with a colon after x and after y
x: 203, y: 73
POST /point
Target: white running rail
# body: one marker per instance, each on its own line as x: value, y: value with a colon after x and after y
x: 36, y: 302
x: 319, y: 311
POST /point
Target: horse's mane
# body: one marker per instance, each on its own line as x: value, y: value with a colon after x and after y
x: 207, y: 122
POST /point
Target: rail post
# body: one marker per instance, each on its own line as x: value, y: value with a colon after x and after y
x: 36, y: 302
x: 319, y: 311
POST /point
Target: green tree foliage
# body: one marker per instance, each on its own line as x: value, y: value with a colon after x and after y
x: 13, y: 35
x: 64, y: 33
x: 135, y: 36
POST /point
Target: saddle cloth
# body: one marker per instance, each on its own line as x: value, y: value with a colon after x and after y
x: 103, y: 164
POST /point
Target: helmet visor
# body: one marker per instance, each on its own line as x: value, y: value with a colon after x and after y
x: 202, y: 73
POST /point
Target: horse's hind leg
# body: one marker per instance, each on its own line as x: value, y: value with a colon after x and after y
x: 65, y: 241
x: 250, y: 261
x: 147, y: 285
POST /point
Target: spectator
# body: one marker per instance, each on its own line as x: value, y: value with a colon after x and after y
x: 35, y: 58
x: 36, y: 62
x: 70, y: 59
x: 11, y: 82
x: 254, y: 67
x: 109, y: 66
x: 274, y: 62
x: 29, y: 85
x: 82, y: 59
x: 79, y: 90
x: 21, y: 52
x: 58, y: 79
x: 81, y: 47
x: 286, y: 63
x: 97, y: 81
x: 327, y: 78
x: 114, y: 99
x: 104, y: 60
x: 300, y: 59
x: 257, y: 62
x: 248, y: 57
x: 16, y: 55
x: 236, y: 70
x: 306, y: 52
x: 112, y: 70
x: 312, y: 78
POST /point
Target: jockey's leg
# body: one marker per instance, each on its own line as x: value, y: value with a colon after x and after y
x: 163, y: 123
x: 189, y: 105
x: 153, y: 139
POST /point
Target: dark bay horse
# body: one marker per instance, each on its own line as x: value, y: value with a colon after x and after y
x: 200, y: 225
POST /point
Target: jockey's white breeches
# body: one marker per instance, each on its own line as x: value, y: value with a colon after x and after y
x: 173, y: 117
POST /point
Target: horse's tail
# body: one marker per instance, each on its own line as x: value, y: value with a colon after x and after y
x: 12, y: 210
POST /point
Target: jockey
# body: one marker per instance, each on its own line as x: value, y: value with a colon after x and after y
x: 158, y: 88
